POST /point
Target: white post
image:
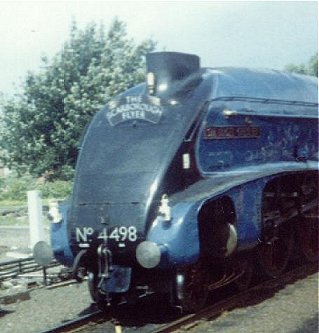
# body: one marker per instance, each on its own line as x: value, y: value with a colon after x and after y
x: 35, y: 217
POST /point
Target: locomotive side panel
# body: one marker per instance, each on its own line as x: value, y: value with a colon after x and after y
x: 230, y: 140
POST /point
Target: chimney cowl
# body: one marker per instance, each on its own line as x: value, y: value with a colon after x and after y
x: 170, y: 67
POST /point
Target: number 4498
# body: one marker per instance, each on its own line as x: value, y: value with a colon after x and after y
x: 120, y: 234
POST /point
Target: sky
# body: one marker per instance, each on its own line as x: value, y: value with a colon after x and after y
x: 268, y: 34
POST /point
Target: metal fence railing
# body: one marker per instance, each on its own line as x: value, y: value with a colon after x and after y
x: 12, y: 268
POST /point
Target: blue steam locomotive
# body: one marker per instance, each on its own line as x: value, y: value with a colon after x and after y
x: 188, y: 181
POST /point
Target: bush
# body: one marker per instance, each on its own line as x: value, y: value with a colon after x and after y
x: 15, y: 188
x: 58, y: 189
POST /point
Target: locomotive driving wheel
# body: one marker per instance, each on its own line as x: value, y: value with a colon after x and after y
x: 192, y: 288
x: 307, y: 226
x: 275, y: 250
x: 307, y: 235
x: 276, y: 245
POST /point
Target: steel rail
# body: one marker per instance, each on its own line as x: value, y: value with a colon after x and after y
x: 76, y: 323
x: 191, y: 320
x: 232, y: 302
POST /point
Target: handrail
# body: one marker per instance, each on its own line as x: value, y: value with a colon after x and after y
x: 264, y: 100
x: 245, y: 113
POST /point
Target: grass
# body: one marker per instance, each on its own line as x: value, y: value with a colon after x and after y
x: 18, y: 219
x: 13, y: 198
x: 14, y: 221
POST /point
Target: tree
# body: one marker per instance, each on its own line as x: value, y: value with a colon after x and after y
x: 311, y: 68
x: 41, y: 127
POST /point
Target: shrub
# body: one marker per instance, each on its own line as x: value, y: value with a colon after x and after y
x: 15, y: 188
x: 58, y: 189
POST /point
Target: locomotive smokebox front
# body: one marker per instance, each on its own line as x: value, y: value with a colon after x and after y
x: 131, y: 156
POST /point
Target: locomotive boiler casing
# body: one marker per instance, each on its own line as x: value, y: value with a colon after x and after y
x: 154, y: 159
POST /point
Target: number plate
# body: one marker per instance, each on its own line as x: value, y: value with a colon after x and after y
x: 121, y: 235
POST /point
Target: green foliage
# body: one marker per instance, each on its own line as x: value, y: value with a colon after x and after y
x: 40, y: 128
x: 15, y: 188
x: 311, y: 68
x: 59, y: 189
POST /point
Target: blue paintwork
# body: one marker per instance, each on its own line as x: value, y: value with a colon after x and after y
x: 180, y: 238
x: 129, y: 160
x: 285, y: 139
x: 59, y: 237
x: 247, y: 199
x: 175, y: 234
x: 263, y: 83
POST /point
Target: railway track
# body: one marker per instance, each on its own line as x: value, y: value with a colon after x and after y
x: 119, y: 322
x: 94, y: 317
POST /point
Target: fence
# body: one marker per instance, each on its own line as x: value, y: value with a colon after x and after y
x: 13, y: 268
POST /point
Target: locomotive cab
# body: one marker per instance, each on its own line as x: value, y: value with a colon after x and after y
x: 174, y: 177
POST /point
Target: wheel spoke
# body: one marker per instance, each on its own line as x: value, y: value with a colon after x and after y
x: 274, y: 255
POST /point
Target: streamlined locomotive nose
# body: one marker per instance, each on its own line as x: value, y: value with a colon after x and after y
x: 127, y: 153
